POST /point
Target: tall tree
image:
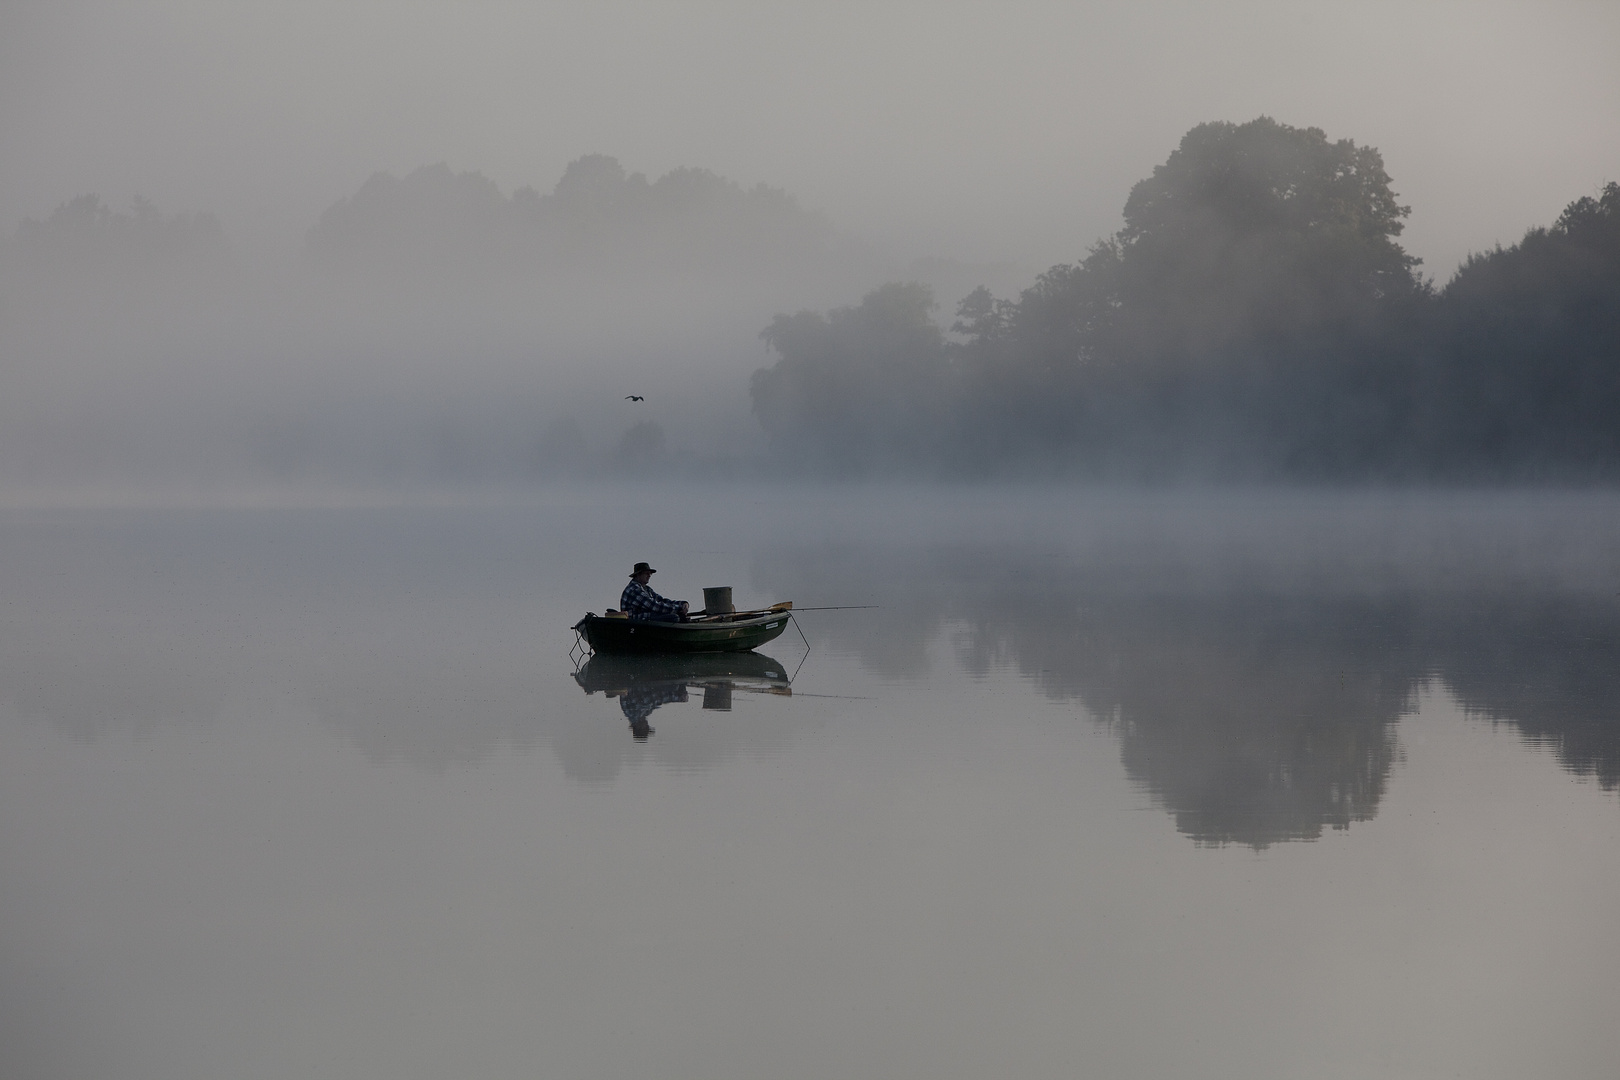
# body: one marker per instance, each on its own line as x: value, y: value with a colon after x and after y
x: 1255, y: 236
x: 1243, y: 318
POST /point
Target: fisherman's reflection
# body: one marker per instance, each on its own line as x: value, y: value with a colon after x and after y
x: 643, y: 683
x: 639, y: 702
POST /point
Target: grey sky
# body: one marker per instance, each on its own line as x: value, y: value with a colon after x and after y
x: 1004, y: 132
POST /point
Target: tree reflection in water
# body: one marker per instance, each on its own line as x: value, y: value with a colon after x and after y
x: 1251, y: 655
x: 1254, y: 712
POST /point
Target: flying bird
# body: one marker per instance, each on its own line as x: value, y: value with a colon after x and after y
x: 634, y: 397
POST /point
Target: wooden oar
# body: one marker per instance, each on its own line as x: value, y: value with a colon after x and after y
x: 784, y: 608
x: 725, y: 616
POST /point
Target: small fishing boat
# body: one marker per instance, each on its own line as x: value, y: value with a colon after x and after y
x: 732, y: 631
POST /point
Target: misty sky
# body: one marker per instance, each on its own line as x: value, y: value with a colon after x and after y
x: 1005, y: 132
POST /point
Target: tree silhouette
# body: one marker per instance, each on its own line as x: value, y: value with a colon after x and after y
x: 85, y: 240
x: 859, y: 388
x: 641, y: 449
x: 1256, y: 318
x: 597, y: 217
x: 1524, y: 366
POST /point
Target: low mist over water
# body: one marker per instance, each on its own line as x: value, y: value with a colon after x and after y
x: 296, y: 786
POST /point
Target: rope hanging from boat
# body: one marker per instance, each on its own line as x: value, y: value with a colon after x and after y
x: 582, y: 646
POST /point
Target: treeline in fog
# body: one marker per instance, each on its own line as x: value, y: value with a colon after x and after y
x: 597, y: 217
x: 1255, y: 318
x: 426, y: 329
x: 86, y: 241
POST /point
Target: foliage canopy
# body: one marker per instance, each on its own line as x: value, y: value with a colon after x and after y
x: 1255, y: 317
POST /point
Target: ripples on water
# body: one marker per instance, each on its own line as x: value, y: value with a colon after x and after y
x: 290, y: 792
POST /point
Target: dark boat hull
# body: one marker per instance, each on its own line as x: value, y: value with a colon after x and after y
x: 606, y: 635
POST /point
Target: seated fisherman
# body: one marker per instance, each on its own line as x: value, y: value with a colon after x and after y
x: 639, y: 601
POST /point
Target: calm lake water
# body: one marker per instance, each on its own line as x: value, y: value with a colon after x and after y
x: 1243, y: 785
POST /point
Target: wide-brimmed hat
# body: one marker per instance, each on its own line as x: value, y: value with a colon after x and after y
x: 642, y: 568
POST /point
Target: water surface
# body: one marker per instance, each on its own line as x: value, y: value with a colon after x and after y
x: 1127, y: 785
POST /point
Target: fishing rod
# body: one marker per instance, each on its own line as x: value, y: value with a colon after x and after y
x: 839, y: 607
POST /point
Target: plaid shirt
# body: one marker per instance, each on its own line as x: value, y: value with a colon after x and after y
x: 639, y: 600
x: 638, y: 702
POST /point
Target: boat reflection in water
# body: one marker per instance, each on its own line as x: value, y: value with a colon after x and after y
x: 643, y: 682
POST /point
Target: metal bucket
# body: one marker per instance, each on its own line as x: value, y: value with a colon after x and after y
x: 718, y: 599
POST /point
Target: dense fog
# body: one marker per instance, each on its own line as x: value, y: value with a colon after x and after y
x: 434, y: 330
x: 1256, y: 318
x: 1247, y: 286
